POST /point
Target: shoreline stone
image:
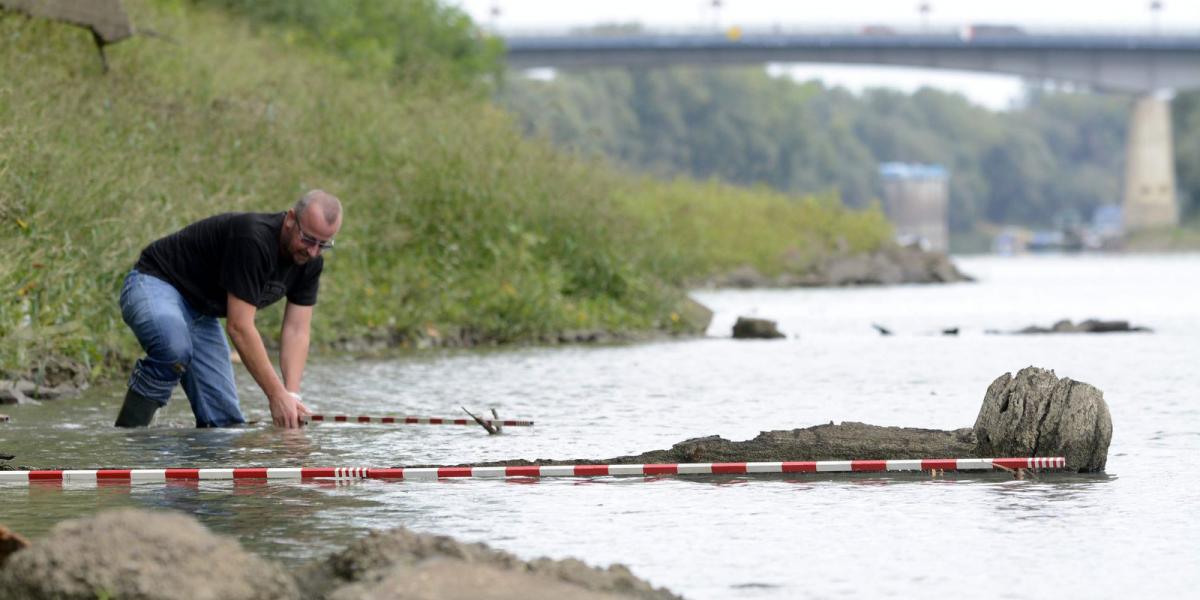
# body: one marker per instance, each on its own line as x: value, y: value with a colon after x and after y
x: 55, y: 377
x: 891, y: 265
x: 131, y: 553
x: 403, y: 563
x: 1088, y: 326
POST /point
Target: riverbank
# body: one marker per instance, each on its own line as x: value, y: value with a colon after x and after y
x: 455, y: 224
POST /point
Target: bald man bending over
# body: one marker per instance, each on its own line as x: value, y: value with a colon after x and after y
x: 229, y: 265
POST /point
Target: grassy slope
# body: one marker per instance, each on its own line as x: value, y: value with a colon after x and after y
x: 452, y: 220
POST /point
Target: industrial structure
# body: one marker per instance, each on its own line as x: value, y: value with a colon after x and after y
x: 915, y: 198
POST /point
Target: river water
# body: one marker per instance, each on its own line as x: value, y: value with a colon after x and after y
x: 1132, y: 531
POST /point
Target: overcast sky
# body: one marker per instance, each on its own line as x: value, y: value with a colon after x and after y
x: 991, y: 90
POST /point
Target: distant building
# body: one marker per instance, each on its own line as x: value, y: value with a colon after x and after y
x: 915, y: 198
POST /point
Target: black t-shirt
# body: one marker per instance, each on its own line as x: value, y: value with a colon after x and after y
x: 236, y: 253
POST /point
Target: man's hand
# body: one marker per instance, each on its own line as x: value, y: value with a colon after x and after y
x: 286, y: 410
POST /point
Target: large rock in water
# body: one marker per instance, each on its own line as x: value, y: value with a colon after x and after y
x: 748, y: 328
x: 1036, y: 413
x: 133, y: 553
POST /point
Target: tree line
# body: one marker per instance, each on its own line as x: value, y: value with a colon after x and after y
x: 1058, y: 156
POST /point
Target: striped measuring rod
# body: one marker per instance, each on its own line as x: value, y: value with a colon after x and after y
x: 415, y: 420
x: 589, y: 470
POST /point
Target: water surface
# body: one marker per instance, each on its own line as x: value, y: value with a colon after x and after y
x: 1130, y: 531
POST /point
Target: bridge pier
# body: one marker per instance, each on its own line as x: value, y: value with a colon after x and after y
x: 1149, y: 167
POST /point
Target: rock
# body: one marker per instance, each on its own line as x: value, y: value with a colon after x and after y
x: 15, y: 392
x: 749, y: 328
x: 744, y: 276
x: 1036, y: 413
x: 404, y: 564
x: 27, y: 392
x: 695, y: 317
x: 890, y: 265
x: 57, y: 372
x: 440, y: 579
x: 132, y: 553
x: 105, y: 18
x: 10, y: 543
x: 53, y: 378
x: 1088, y: 326
x: 1097, y: 326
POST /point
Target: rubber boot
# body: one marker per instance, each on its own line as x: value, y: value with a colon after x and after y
x: 137, y: 411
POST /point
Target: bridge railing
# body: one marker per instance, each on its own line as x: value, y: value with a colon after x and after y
x: 963, y: 31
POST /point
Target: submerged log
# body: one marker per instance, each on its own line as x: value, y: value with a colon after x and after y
x: 1034, y: 413
x: 847, y: 441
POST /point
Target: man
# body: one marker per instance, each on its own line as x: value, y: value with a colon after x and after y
x: 229, y: 265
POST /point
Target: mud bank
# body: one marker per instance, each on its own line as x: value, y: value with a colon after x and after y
x: 131, y: 553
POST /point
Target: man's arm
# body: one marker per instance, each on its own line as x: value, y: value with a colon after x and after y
x: 293, y: 351
x: 239, y: 324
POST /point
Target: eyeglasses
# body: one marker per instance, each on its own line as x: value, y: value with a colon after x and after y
x: 310, y: 241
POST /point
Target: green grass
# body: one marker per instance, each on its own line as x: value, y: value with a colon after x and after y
x: 453, y: 220
x: 714, y: 227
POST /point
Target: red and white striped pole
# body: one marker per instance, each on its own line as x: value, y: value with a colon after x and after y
x: 415, y: 420
x: 593, y: 470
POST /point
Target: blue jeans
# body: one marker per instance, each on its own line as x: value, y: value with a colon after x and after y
x: 181, y: 345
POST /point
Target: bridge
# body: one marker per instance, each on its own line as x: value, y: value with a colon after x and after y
x: 1146, y: 64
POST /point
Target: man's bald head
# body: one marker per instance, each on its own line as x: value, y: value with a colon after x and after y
x: 325, y: 204
x: 311, y: 225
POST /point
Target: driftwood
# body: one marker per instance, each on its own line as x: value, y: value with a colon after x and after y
x: 491, y: 429
x: 847, y: 441
x: 1034, y: 413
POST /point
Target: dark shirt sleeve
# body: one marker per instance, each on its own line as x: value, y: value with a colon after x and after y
x: 304, y: 292
x: 245, y: 268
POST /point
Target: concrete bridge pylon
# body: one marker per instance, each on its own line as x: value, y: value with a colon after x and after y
x: 1149, y: 200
